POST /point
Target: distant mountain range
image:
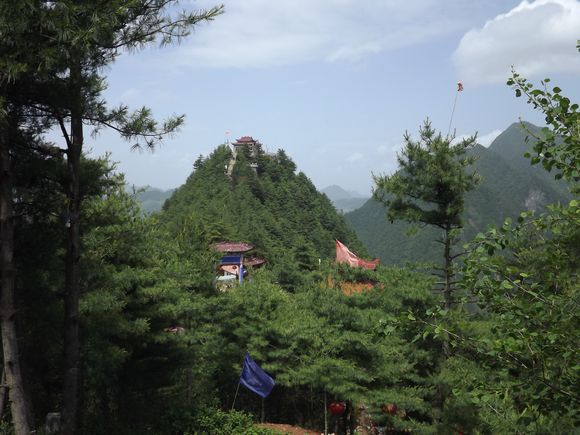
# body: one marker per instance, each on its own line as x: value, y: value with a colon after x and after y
x: 152, y: 198
x: 344, y: 201
x: 510, y: 185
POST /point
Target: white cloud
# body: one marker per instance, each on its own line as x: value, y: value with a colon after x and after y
x: 484, y: 140
x: 535, y: 37
x: 265, y: 33
x: 488, y: 138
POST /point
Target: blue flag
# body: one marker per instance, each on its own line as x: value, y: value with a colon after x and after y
x: 255, y: 379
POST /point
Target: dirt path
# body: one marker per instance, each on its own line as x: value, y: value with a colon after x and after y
x: 287, y: 429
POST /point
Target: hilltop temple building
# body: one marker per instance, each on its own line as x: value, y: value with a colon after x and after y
x: 247, y: 141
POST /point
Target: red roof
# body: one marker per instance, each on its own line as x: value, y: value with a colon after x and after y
x: 232, y: 247
x: 254, y: 261
x: 246, y: 139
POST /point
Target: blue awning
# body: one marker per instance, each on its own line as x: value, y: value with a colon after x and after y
x: 231, y: 259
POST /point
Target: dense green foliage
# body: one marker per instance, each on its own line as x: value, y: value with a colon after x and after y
x: 526, y: 276
x: 144, y: 277
x: 431, y: 181
x: 278, y: 211
x: 318, y: 340
x: 112, y: 317
x: 556, y: 147
x: 53, y: 57
x: 525, y: 279
x: 429, y: 188
x: 215, y: 422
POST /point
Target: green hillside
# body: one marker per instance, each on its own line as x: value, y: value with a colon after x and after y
x: 265, y: 202
x: 349, y: 204
x: 512, y: 145
x: 509, y: 186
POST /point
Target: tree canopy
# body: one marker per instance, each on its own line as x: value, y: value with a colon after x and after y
x: 111, y: 320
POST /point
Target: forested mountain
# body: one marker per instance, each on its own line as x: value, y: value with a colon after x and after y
x: 511, y: 145
x: 343, y: 200
x: 152, y: 198
x: 509, y: 186
x: 335, y: 192
x: 263, y: 201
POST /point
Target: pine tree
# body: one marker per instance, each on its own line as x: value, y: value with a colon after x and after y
x: 429, y: 188
x: 70, y: 43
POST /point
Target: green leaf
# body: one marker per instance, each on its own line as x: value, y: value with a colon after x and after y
x: 506, y: 285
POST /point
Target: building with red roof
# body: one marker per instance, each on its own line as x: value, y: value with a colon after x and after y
x: 247, y: 141
x: 233, y: 267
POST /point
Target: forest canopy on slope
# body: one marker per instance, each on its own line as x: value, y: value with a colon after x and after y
x: 271, y: 206
x: 509, y: 185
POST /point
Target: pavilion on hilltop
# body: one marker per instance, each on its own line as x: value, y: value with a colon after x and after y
x: 247, y: 141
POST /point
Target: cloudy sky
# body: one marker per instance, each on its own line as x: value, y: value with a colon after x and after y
x: 336, y: 83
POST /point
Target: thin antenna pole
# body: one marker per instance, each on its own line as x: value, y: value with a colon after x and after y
x: 452, y: 113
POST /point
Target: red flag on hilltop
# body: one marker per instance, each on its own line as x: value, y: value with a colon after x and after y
x: 344, y: 255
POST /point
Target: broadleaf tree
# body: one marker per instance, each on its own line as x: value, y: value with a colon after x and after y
x: 558, y: 145
x: 525, y: 276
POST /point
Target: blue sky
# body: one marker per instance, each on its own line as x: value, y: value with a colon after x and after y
x: 336, y: 83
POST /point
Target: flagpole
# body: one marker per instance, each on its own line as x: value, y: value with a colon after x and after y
x: 325, y: 415
x: 263, y: 415
x: 236, y: 395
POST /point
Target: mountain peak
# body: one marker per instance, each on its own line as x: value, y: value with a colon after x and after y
x: 515, y: 135
x: 336, y: 193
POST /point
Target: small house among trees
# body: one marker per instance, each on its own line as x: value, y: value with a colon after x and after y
x: 232, y: 268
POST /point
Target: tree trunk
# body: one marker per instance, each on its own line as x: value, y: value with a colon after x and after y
x: 72, y: 263
x: 3, y: 395
x: 447, y: 291
x: 19, y: 406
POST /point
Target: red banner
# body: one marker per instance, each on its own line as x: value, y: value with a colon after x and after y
x: 344, y: 255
